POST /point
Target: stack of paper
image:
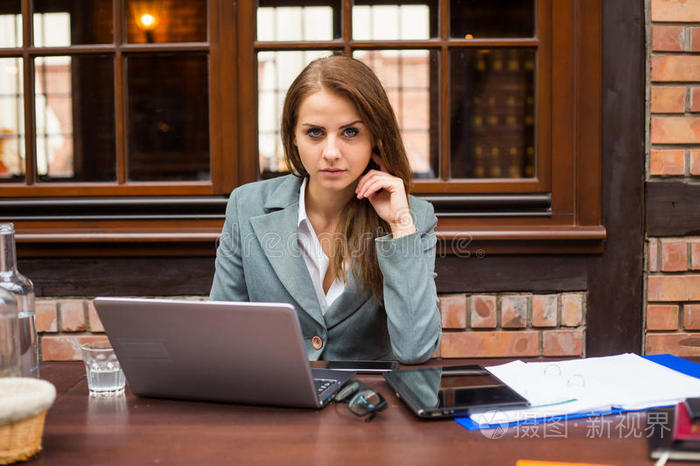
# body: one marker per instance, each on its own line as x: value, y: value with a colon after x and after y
x: 595, y: 385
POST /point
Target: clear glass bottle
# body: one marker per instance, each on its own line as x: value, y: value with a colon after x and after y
x: 9, y: 336
x: 23, y: 291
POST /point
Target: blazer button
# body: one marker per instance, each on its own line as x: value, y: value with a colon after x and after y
x: 317, y: 342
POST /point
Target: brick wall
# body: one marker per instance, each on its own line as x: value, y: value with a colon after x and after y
x: 673, y: 263
x: 512, y: 325
x: 673, y: 295
x: 483, y: 325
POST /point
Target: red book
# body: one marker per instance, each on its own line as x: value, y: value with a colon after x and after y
x: 683, y: 427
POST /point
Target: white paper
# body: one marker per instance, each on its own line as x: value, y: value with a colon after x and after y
x: 625, y: 381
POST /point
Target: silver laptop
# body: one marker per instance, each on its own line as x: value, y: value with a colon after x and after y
x: 250, y: 353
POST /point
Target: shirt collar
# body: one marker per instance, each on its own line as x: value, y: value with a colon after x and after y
x: 302, y: 203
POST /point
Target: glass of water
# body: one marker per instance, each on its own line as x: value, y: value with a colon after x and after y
x: 104, y: 374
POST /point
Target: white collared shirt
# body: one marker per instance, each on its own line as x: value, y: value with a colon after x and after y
x: 316, y: 260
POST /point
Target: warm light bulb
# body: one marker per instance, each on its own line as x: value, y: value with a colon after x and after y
x: 148, y: 21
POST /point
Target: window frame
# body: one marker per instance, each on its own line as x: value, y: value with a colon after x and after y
x: 468, y: 221
x: 443, y: 44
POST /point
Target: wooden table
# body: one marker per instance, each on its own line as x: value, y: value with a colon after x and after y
x: 132, y: 430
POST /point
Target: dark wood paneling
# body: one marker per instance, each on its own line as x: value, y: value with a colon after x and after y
x: 507, y: 273
x: 673, y: 208
x: 614, y: 319
x: 179, y: 276
x: 587, y: 114
x: 116, y: 276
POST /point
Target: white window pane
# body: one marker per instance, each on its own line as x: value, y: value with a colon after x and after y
x: 276, y: 71
x: 11, y: 119
x: 266, y: 23
x: 391, y: 22
x: 54, y: 116
x: 318, y: 23
x: 10, y: 31
x: 295, y: 23
x: 51, y: 29
x: 415, y: 23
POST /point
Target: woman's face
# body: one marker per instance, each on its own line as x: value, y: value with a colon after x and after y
x: 334, y: 143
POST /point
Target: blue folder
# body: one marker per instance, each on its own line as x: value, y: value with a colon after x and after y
x: 667, y: 360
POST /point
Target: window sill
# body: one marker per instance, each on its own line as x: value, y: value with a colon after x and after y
x: 479, y: 241
x: 68, y: 239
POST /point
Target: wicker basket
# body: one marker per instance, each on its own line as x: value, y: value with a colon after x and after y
x: 23, y: 406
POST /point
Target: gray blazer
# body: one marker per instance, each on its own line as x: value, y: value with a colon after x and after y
x: 258, y: 259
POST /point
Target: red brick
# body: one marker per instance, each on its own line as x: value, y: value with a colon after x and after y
x: 667, y: 162
x: 691, y: 316
x: 94, y: 319
x: 668, y: 68
x: 695, y: 162
x: 514, y: 311
x: 65, y: 347
x: 46, y: 315
x: 695, y: 39
x: 653, y: 255
x: 490, y: 344
x: 675, y: 130
x: 667, y: 38
x: 680, y: 344
x: 695, y: 255
x: 562, y: 342
x: 695, y: 99
x: 662, y: 317
x: 483, y: 311
x: 673, y: 288
x: 668, y: 99
x: 544, y: 310
x: 571, y: 309
x: 72, y: 315
x: 674, y: 255
x: 675, y: 10
x: 453, y: 310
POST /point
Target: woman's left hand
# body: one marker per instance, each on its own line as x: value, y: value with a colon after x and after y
x: 388, y: 197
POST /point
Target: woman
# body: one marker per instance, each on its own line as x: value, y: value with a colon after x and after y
x: 339, y: 238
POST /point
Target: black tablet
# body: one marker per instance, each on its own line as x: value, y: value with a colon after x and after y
x: 434, y: 392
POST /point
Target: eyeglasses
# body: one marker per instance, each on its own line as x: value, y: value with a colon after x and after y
x: 361, y: 400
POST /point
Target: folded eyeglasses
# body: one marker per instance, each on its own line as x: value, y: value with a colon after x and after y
x: 361, y: 400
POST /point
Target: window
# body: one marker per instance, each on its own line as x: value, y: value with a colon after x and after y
x: 503, y: 149
x: 133, y: 119
x: 108, y: 113
x: 488, y: 97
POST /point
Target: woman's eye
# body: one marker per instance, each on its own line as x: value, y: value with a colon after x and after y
x: 314, y: 132
x: 350, y: 132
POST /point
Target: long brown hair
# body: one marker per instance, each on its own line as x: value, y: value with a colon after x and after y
x: 359, y: 224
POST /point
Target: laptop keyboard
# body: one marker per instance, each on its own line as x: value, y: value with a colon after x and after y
x: 322, y: 384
